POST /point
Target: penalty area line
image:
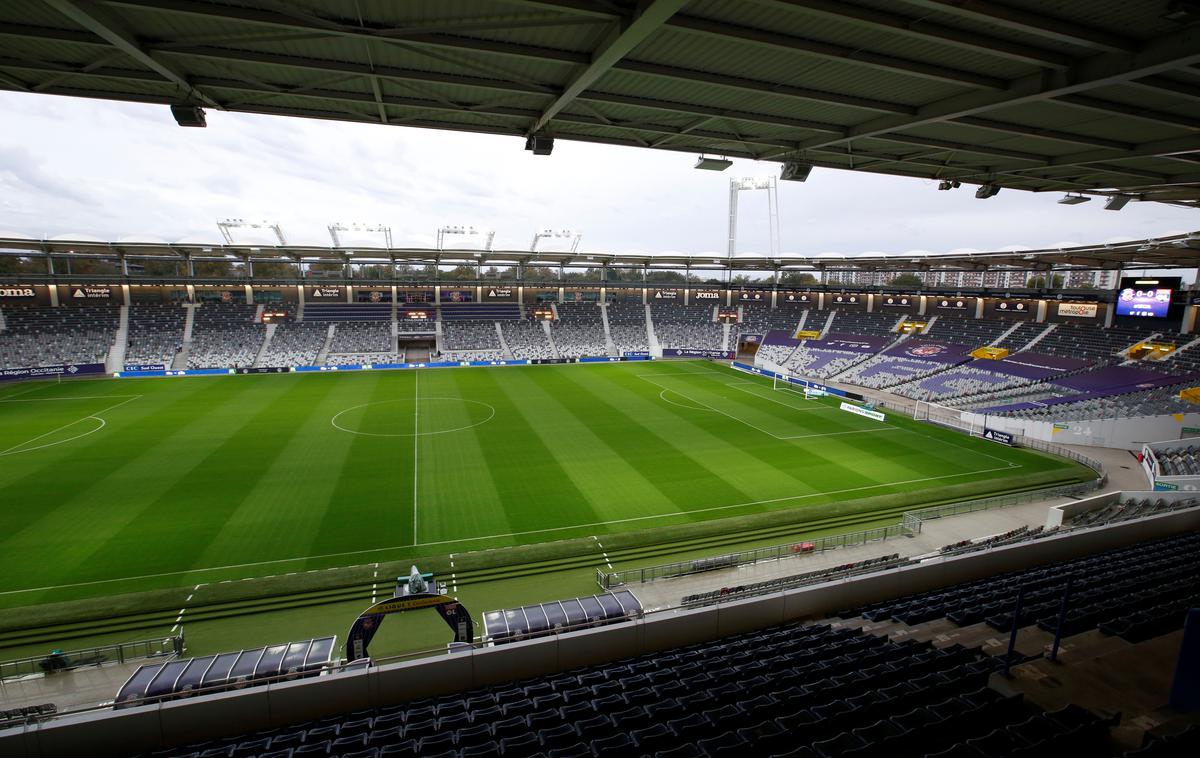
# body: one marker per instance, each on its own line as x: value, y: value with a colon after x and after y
x: 678, y: 514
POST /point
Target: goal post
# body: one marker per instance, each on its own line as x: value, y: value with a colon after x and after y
x: 788, y: 383
x: 943, y: 415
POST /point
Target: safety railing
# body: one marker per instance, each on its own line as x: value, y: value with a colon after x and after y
x: 747, y: 557
x: 68, y: 660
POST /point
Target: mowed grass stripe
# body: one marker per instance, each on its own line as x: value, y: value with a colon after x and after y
x: 75, y: 498
x: 612, y: 486
x: 279, y: 513
x: 522, y: 467
x: 456, y: 492
x: 370, y: 502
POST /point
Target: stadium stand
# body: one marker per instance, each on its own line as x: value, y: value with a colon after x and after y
x: 579, y: 330
x: 527, y: 339
x: 687, y: 326
x: 627, y: 325
x: 39, y: 336
x: 861, y: 322
x: 842, y: 687
x: 225, y: 336
x: 155, y: 333
x: 1020, y: 337
x: 967, y: 331
x: 1090, y: 342
x: 295, y: 344
x: 362, y: 337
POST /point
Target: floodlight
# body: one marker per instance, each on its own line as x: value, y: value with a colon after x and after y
x: 1117, y: 202
x: 795, y: 172
x: 188, y: 115
x: 712, y: 164
x: 987, y: 190
x: 539, y: 144
x: 1075, y: 199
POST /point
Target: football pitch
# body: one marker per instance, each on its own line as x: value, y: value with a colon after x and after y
x: 119, y: 485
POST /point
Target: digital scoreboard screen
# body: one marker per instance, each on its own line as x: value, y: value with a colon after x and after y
x: 542, y: 313
x: 1146, y: 297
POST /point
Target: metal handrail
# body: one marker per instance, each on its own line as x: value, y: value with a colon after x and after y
x: 120, y: 652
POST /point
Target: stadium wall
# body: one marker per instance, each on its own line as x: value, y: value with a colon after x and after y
x: 151, y: 727
x: 1123, y: 433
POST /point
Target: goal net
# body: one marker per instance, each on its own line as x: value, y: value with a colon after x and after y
x: 788, y: 383
x: 946, y: 416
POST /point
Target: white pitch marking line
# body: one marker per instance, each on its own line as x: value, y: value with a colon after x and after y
x: 770, y: 433
x: 816, y: 406
x: 95, y: 416
x: 416, y: 443
x: 603, y: 552
x: 507, y: 534
x: 49, y: 399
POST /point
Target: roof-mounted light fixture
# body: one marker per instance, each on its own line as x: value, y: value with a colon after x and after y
x: 1073, y: 198
x: 712, y: 164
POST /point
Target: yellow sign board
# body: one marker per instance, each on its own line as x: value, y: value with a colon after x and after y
x: 990, y: 353
x: 1191, y: 395
x: 911, y: 326
x: 808, y: 335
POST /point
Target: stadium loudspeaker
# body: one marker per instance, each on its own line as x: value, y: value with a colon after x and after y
x: 795, y: 172
x: 539, y: 144
x: 987, y: 190
x: 1117, y: 202
x: 188, y: 115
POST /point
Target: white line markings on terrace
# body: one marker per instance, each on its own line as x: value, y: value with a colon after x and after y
x: 21, y: 446
x: 183, y: 610
x: 375, y: 586
x: 603, y: 552
x: 677, y: 514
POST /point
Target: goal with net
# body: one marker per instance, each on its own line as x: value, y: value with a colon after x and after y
x: 946, y: 416
x: 788, y: 383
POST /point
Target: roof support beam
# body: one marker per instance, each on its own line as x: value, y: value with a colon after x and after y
x: 109, y: 28
x: 650, y: 18
x: 829, y: 51
x: 920, y: 28
x: 1175, y: 50
x: 1054, y: 29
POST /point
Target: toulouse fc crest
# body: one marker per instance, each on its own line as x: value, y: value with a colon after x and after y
x: 922, y: 351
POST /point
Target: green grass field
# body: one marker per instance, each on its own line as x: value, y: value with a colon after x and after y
x: 119, y: 486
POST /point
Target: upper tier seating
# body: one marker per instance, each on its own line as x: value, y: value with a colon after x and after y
x: 1022, y: 336
x: 1093, y: 343
x: 579, y: 330
x: 806, y: 690
x: 1108, y: 588
x: 324, y: 312
x: 855, y: 322
x: 968, y: 331
x: 42, y: 336
x: 155, y: 333
x: 225, y: 336
x: 758, y: 318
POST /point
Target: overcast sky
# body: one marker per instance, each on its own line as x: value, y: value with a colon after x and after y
x: 114, y: 170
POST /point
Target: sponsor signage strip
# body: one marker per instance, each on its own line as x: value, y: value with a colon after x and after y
x: 73, y: 369
x: 860, y: 411
x: 1077, y: 310
x: 687, y: 352
x: 995, y: 435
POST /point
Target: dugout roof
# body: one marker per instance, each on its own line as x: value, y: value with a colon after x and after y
x: 1063, y: 95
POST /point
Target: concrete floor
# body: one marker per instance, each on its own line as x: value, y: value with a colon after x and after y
x: 82, y: 687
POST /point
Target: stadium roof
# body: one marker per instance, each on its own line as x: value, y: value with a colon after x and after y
x: 1099, y: 96
x: 1175, y: 251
